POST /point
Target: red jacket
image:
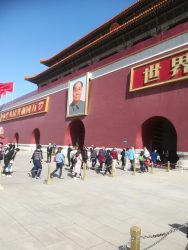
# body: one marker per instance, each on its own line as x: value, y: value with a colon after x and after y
x: 114, y: 154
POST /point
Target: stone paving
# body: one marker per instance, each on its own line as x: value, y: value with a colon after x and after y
x: 95, y: 214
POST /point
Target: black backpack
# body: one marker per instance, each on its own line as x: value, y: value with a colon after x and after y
x: 108, y: 160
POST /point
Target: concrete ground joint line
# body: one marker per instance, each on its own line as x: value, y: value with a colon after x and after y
x: 23, y: 227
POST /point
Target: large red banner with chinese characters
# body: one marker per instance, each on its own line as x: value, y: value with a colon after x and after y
x: 171, y: 68
x: 37, y: 107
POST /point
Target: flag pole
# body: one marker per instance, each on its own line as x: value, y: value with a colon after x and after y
x: 13, y: 93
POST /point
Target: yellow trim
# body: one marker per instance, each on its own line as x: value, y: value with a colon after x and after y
x: 156, y: 84
x: 161, y: 83
x: 47, y: 103
x: 67, y: 115
x: 86, y: 95
x: 19, y: 117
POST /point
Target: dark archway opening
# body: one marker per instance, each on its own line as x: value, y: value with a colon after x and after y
x: 158, y: 133
x: 16, y: 138
x: 76, y: 133
x: 35, y: 136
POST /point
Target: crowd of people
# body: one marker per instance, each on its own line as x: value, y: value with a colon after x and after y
x: 102, y: 160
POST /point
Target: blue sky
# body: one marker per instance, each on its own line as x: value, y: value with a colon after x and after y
x: 31, y: 30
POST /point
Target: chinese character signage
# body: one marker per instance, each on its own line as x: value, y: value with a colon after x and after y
x: 37, y: 107
x: 171, y: 68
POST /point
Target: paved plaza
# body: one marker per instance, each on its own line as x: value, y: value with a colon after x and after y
x: 94, y: 214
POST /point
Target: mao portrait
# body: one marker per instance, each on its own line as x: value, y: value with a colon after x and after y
x: 77, y: 97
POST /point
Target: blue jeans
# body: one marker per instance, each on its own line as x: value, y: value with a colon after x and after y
x: 132, y: 165
x: 37, y: 169
x: 94, y: 161
x: 59, y: 166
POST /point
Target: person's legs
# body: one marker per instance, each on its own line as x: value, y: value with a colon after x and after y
x: 6, y: 161
x: 72, y: 164
x: 50, y: 157
x: 132, y: 165
x: 33, y: 171
x: 9, y: 170
x: 109, y: 169
x: 123, y: 162
x: 100, y: 166
x: 68, y: 161
x: 141, y: 166
x: 47, y: 157
x: 52, y: 174
x: 60, y: 170
x: 39, y: 169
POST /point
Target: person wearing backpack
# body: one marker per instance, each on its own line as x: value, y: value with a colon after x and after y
x: 60, y: 159
x: 37, y: 159
x: 108, y: 163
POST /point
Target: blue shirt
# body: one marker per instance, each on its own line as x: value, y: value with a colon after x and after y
x: 131, y: 154
x: 59, y: 158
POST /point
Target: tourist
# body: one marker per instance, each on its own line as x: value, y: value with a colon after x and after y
x: 124, y: 156
x: 9, y: 160
x: 93, y: 156
x: 49, y: 152
x: 54, y: 148
x: 114, y: 155
x: 146, y: 152
x: 131, y: 155
x: 72, y: 155
x: 84, y: 156
x: 37, y: 159
x: 154, y: 156
x: 68, y: 154
x: 101, y: 158
x: 108, y: 162
x: 60, y: 159
x: 141, y: 161
x: 77, y: 161
x: 147, y: 164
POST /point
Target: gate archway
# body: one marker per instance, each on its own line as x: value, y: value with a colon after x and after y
x: 75, y: 133
x: 35, y: 139
x: 16, y: 138
x: 158, y: 133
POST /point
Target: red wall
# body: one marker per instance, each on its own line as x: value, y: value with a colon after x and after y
x: 114, y: 114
